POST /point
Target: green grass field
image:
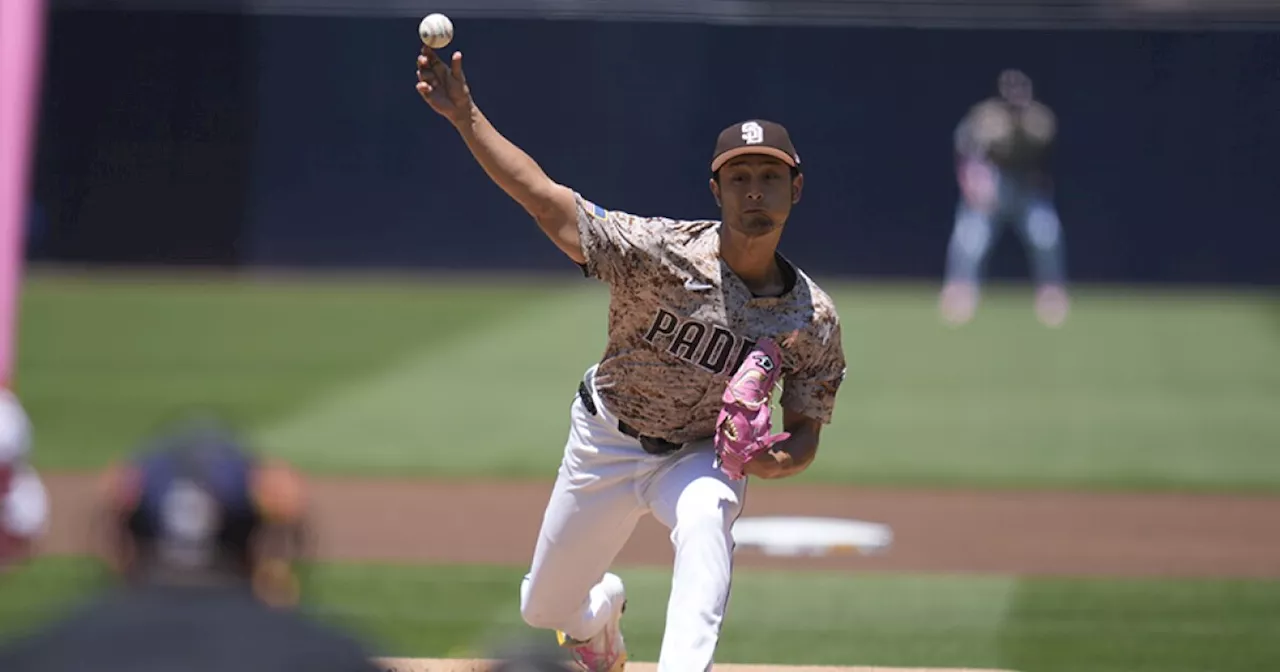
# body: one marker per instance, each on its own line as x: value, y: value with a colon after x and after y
x: 450, y: 376
x: 1148, y: 389
x: 1030, y: 625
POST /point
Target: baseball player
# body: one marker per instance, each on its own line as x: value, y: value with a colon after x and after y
x: 24, y: 506
x: 1002, y: 149
x: 704, y: 317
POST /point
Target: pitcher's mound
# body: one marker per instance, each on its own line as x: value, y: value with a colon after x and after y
x: 463, y: 665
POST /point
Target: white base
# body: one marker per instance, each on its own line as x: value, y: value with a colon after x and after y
x: 811, y: 536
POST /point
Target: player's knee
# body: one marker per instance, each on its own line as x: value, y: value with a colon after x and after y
x: 972, y: 234
x: 1043, y: 228
x: 706, y: 511
x: 536, y: 616
x: 535, y: 612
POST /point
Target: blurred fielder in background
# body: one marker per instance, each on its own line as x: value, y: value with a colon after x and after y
x: 1002, y: 151
x: 203, y: 537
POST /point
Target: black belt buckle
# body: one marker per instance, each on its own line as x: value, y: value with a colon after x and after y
x: 651, y: 444
x: 655, y: 446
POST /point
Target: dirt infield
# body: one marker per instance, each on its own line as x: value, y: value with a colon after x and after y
x: 953, y: 531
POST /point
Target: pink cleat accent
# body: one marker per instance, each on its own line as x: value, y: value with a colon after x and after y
x: 606, y: 651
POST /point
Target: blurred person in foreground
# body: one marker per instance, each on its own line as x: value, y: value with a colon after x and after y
x: 24, y: 507
x: 1002, y: 149
x: 202, y: 537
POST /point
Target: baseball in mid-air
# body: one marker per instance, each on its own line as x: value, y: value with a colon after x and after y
x: 436, y: 30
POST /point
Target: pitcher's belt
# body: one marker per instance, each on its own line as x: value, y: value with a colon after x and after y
x: 651, y: 444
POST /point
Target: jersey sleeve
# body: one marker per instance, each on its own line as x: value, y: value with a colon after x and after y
x: 811, y: 388
x: 617, y: 244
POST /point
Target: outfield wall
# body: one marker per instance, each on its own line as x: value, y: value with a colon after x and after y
x: 239, y: 138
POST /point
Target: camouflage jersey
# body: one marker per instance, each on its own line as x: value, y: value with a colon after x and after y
x: 681, y: 322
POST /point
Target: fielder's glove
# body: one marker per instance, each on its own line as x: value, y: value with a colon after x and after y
x: 743, y: 429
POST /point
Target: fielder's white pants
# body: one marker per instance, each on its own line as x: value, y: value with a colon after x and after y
x: 606, y: 483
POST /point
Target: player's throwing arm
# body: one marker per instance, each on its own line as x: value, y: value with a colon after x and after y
x: 444, y: 87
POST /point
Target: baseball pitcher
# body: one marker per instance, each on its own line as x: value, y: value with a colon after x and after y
x: 706, y: 318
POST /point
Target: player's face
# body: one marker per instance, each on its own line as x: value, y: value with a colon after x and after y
x: 755, y: 194
x: 1015, y: 87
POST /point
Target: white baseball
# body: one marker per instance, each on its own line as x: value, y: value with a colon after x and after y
x: 436, y: 30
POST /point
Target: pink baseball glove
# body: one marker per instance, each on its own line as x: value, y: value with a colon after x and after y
x: 744, y: 427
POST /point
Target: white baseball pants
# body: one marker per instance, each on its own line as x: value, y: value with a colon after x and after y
x: 606, y: 483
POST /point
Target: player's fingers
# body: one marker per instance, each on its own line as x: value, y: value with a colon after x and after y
x: 424, y: 89
x: 424, y: 64
x: 430, y: 62
x: 431, y: 77
x: 457, y: 67
x: 440, y: 69
x: 429, y: 58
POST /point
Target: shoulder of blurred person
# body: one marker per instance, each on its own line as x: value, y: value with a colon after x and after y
x: 1039, y: 123
x: 985, y: 124
x: 201, y: 538
x: 195, y: 628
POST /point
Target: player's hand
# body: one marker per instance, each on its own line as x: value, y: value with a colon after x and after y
x: 978, y: 186
x: 444, y: 87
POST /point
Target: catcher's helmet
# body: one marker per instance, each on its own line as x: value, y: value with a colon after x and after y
x: 198, y: 499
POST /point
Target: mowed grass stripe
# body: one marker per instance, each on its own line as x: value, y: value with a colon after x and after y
x: 1199, y: 417
x: 494, y: 402
x: 103, y: 362
x: 1141, y: 389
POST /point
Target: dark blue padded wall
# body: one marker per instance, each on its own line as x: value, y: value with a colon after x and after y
x: 300, y: 140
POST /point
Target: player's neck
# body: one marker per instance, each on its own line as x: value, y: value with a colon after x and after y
x: 754, y: 261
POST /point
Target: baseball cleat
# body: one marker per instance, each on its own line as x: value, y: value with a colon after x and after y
x: 1052, y: 305
x: 606, y: 651
x: 958, y: 303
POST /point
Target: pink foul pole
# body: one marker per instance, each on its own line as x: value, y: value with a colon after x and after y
x: 21, y: 56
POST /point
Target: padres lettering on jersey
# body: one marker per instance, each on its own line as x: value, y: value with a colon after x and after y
x: 681, y: 322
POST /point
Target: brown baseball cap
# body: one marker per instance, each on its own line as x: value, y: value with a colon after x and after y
x: 755, y: 136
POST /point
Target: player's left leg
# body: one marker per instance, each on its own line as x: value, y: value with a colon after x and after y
x: 972, y: 237
x: 1041, y: 233
x: 699, y: 504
